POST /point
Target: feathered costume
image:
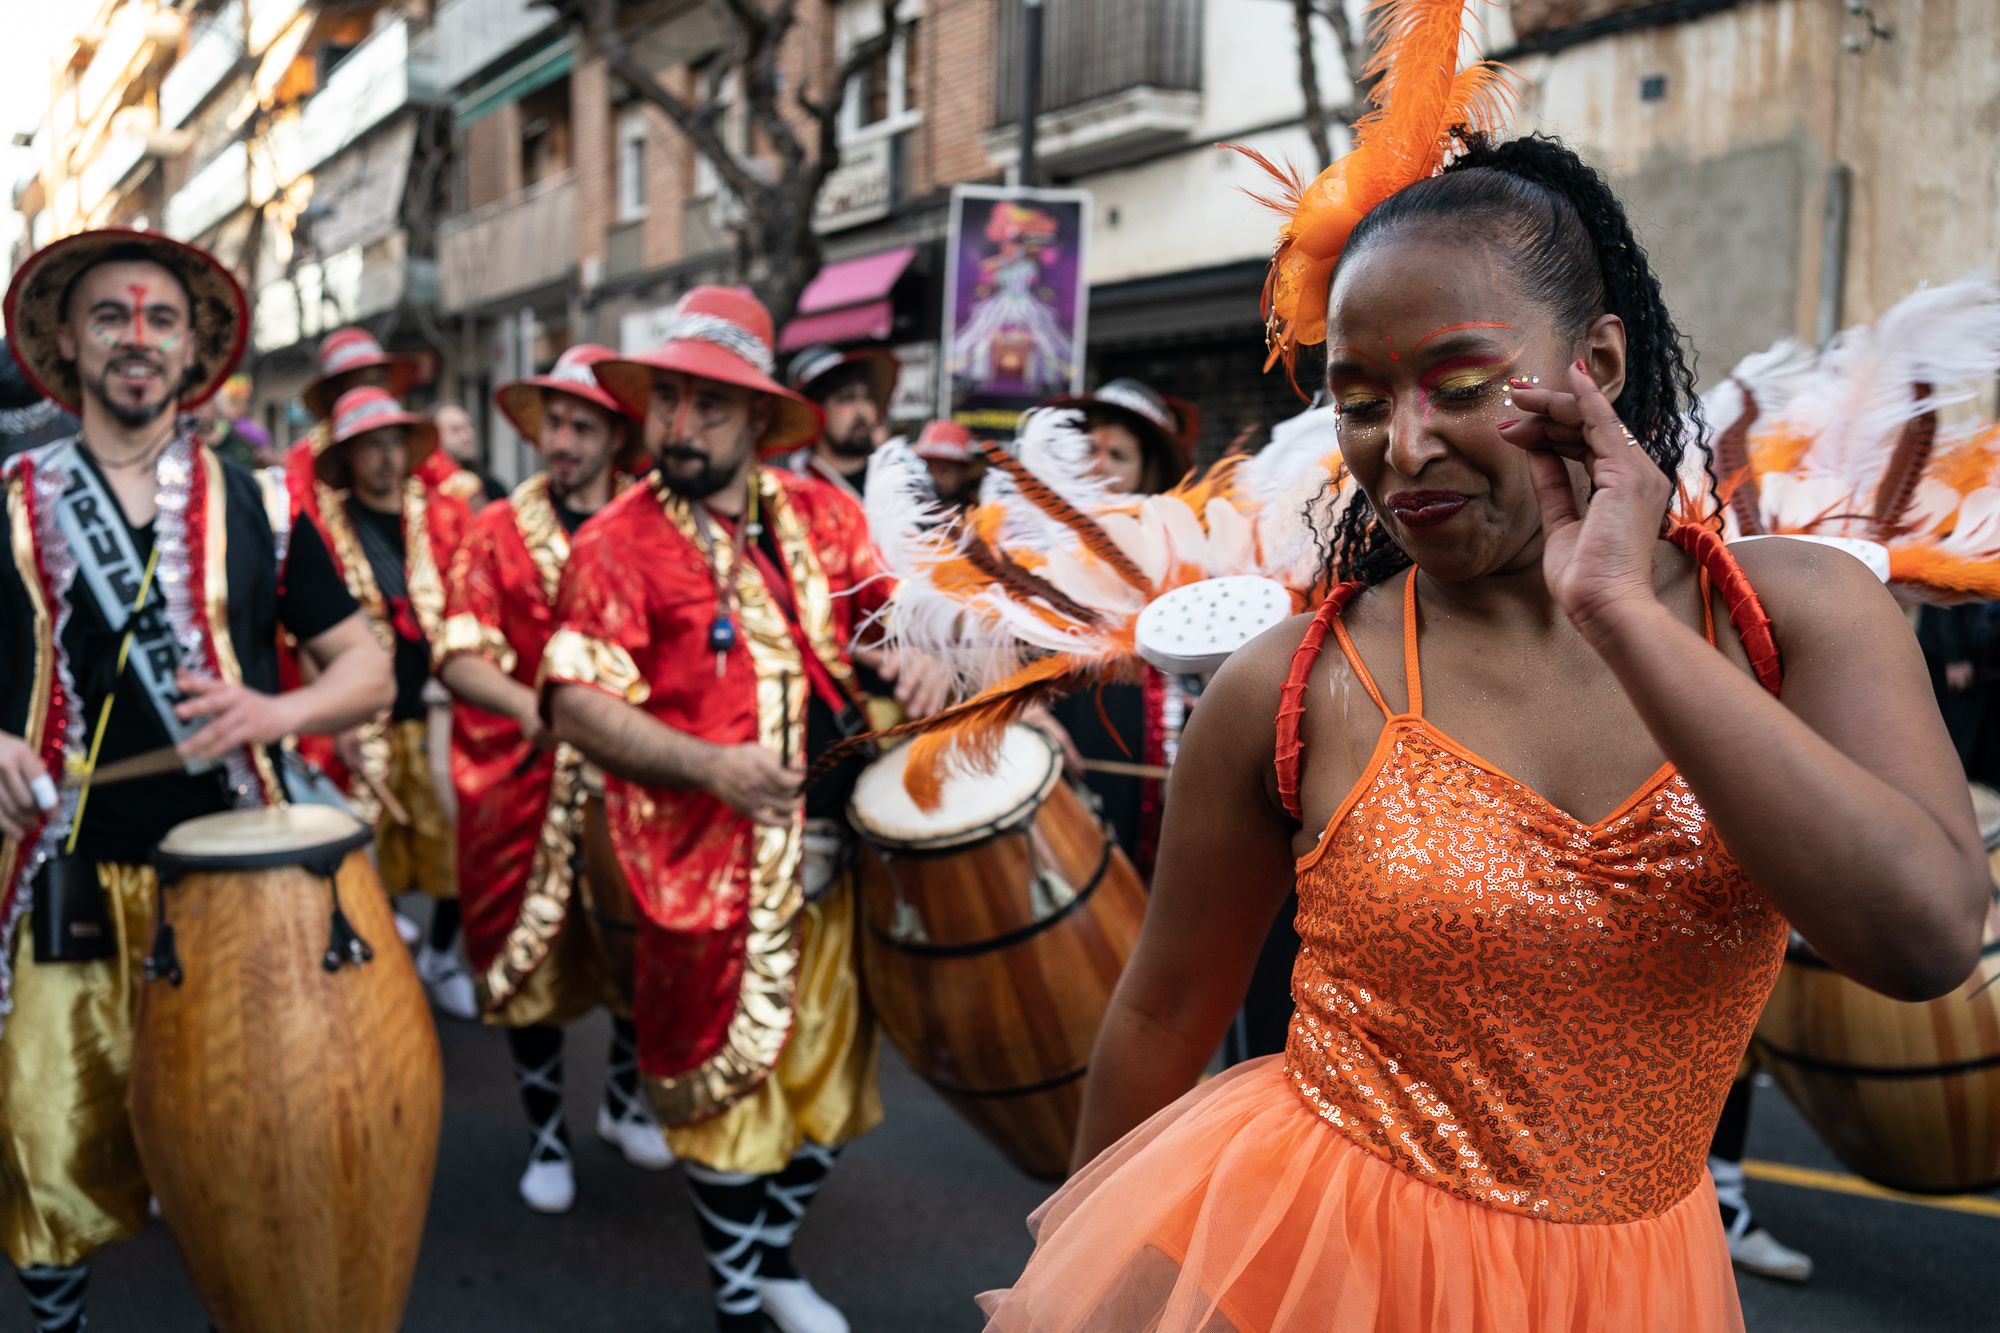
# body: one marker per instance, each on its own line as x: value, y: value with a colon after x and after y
x: 1036, y: 591
x: 1850, y: 444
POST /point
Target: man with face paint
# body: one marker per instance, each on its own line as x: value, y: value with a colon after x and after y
x: 703, y: 656
x: 392, y: 538
x: 520, y: 795
x: 852, y: 390
x: 127, y: 328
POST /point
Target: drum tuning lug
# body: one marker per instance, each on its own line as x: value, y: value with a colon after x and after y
x: 1050, y: 893
x: 164, y: 963
x: 908, y: 925
x: 345, y: 945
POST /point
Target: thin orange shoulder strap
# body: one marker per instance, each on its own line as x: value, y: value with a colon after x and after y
x: 1292, y: 701
x: 1746, y: 610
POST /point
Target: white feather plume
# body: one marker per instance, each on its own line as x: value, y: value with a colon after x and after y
x: 1855, y: 404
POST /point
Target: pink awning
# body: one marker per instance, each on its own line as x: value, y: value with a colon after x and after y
x: 848, y: 301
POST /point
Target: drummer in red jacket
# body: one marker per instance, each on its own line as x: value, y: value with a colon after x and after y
x: 703, y: 655
x: 521, y: 796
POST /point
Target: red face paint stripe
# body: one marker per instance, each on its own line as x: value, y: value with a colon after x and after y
x: 138, y: 291
x: 1456, y: 328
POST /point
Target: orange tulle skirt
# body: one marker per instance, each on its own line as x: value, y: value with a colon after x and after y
x: 1238, y: 1210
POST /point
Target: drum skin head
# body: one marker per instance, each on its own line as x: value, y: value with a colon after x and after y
x: 1193, y: 629
x: 975, y: 806
x: 270, y: 835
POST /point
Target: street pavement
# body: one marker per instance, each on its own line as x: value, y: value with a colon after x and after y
x: 922, y: 1214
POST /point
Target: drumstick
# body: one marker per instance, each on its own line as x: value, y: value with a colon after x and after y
x: 148, y: 765
x: 1118, y: 768
x: 387, y: 798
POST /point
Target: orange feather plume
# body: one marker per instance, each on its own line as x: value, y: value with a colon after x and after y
x: 1420, y: 101
x: 1093, y: 537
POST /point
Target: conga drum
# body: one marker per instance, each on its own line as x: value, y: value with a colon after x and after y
x: 612, y: 916
x: 994, y: 931
x: 286, y: 1085
x: 1907, y: 1095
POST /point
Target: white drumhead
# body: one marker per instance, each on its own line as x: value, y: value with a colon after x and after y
x: 261, y: 832
x: 1872, y: 554
x: 975, y: 804
x: 1195, y: 628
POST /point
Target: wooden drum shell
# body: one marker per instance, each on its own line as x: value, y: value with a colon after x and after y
x: 993, y: 997
x: 287, y: 1116
x: 1907, y: 1095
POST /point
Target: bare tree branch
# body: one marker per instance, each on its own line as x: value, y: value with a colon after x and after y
x: 1302, y: 28
x: 1354, y: 51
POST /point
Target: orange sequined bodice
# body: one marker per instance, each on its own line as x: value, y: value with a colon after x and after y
x: 1533, y: 1013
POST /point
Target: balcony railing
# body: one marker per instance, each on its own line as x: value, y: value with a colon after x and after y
x: 512, y: 245
x: 1093, y: 49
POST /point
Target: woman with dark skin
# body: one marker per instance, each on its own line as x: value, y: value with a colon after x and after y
x: 1492, y: 334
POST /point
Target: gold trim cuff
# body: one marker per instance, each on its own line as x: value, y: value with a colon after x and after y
x: 467, y: 633
x: 573, y: 658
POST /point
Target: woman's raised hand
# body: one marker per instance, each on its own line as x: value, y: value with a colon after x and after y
x: 1597, y: 558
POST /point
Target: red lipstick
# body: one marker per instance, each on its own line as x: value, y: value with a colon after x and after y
x: 1426, y: 509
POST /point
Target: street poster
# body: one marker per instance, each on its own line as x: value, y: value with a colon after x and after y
x: 1014, y: 302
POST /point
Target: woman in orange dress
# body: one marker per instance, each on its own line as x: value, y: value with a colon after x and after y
x: 1551, y: 787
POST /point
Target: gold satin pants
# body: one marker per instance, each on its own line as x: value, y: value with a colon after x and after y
x: 70, y: 1179
x: 824, y: 1086
x: 418, y: 856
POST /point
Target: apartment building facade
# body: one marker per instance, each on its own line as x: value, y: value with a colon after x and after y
x: 468, y: 178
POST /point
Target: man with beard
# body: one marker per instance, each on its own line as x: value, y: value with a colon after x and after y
x: 703, y: 655
x: 129, y: 535
x: 520, y: 796
x: 853, y: 390
x: 392, y: 538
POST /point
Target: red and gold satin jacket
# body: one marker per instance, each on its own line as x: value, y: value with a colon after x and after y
x: 518, y: 826
x: 719, y: 897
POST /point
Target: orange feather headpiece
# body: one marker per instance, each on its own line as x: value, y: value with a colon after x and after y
x: 1421, y: 101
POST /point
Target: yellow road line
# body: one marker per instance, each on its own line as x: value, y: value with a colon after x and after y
x: 1833, y: 1182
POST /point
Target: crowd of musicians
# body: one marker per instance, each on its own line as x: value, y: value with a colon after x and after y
x: 580, y: 717
x: 662, y: 627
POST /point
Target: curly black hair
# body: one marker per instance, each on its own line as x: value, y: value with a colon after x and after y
x: 1568, y: 242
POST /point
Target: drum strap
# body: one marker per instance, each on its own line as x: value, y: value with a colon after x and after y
x: 109, y: 567
x: 843, y: 703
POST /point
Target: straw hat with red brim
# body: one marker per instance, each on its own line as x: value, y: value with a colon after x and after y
x: 722, y: 334
x: 1142, y: 411
x: 345, y: 352
x: 360, y: 412
x: 945, y: 442
x: 220, y: 317
x: 523, y: 401
x: 811, y: 366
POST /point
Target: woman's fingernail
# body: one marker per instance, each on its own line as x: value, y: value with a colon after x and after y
x: 1582, y: 367
x: 1520, y: 381
x: 1510, y: 421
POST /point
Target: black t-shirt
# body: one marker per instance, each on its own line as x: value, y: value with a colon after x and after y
x: 122, y: 822
x: 413, y: 655
x: 569, y: 518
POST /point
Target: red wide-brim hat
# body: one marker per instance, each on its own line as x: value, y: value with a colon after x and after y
x: 326, y: 388
x: 361, y: 412
x: 522, y: 401
x: 219, y: 319
x: 795, y: 421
